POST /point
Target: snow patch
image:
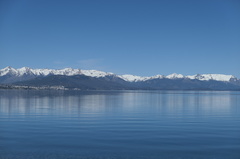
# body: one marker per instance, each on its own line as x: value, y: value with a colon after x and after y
x: 133, y: 78
x: 174, y: 76
x: 216, y: 77
x: 94, y: 73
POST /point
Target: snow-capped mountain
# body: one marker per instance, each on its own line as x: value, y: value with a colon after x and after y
x: 45, y: 72
x: 175, y: 76
x: 133, y: 78
x: 31, y: 73
x: 93, y: 79
x: 216, y: 77
x: 202, y: 77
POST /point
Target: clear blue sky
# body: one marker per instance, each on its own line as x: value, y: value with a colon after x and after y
x: 122, y: 36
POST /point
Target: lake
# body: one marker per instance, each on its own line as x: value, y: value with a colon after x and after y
x: 119, y: 124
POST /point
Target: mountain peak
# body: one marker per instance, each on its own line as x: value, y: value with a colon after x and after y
x: 7, y: 68
x: 174, y: 76
x: 24, y: 69
x: 94, y: 73
x: 216, y: 77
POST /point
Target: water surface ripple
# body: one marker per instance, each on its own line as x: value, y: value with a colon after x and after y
x: 119, y: 124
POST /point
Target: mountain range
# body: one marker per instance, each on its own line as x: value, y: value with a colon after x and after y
x: 99, y: 80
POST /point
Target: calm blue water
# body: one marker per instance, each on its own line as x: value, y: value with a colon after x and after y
x: 119, y: 124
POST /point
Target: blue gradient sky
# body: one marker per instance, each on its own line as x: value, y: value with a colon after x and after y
x: 135, y: 37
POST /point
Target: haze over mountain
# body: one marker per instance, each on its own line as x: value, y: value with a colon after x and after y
x: 93, y: 79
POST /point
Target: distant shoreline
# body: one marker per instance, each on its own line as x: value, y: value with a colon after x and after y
x: 17, y: 87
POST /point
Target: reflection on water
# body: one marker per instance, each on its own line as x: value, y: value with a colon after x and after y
x: 119, y: 124
x: 62, y: 103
